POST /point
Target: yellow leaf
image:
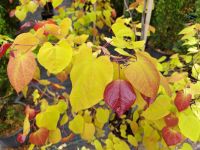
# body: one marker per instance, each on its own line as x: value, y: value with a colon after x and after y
x: 98, y: 145
x: 102, y: 115
x: 31, y: 147
x: 25, y: 42
x: 62, y: 106
x: 64, y: 119
x: 81, y: 39
x: 55, y: 136
x: 26, y: 128
x: 88, y: 131
x: 189, y: 126
x: 55, y: 58
x: 77, y: 124
x: 122, y: 52
x: 186, y: 146
x: 64, y: 27
x: 132, y: 140
x: 20, y: 13
x: 160, y: 108
x: 48, y: 119
x: 89, y: 74
x: 121, y: 146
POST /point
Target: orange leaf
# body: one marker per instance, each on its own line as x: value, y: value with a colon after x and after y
x: 143, y: 75
x: 21, y: 69
x: 39, y: 137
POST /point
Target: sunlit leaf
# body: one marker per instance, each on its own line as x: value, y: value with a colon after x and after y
x: 48, y: 119
x: 89, y: 74
x: 55, y: 58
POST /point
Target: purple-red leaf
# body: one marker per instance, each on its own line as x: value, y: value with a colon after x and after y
x: 120, y: 96
x: 4, y: 48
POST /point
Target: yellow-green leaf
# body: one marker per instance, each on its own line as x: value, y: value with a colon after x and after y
x: 56, y: 3
x: 160, y: 108
x: 55, y: 58
x: 89, y: 74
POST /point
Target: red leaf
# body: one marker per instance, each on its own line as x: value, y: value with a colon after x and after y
x: 171, y: 120
x: 182, y: 100
x: 171, y: 136
x: 4, y: 48
x: 39, y: 137
x: 120, y: 96
x: 21, y: 138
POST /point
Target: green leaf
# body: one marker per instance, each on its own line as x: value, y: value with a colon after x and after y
x: 159, y: 109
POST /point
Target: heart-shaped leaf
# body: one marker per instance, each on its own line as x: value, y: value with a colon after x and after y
x: 182, y: 100
x: 119, y: 95
x: 143, y: 75
x: 171, y: 136
x: 39, y: 137
x: 21, y: 69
